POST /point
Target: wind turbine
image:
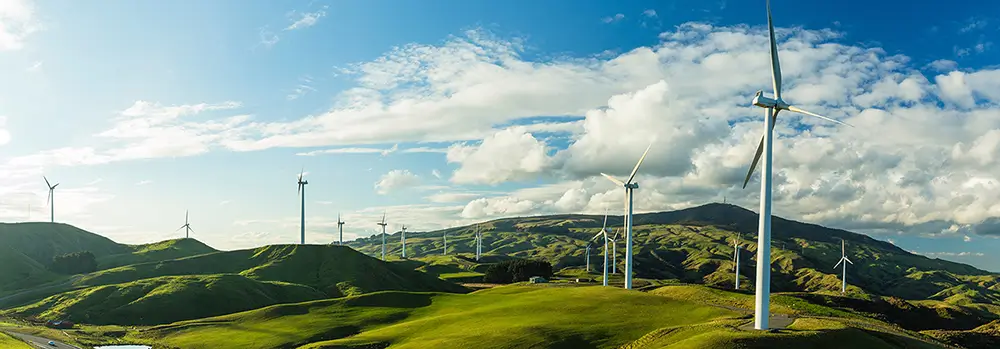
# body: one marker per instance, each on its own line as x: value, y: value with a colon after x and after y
x: 51, y: 201
x: 402, y: 238
x: 614, y: 252
x: 188, y: 230
x: 479, y: 242
x: 771, y: 109
x: 736, y: 260
x: 843, y: 258
x: 587, y: 255
x: 445, y: 242
x: 340, y: 226
x: 302, y: 194
x: 629, y: 187
x: 604, y: 233
x: 382, y: 223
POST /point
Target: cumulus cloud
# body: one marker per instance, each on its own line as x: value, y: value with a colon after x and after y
x: 510, y: 154
x: 17, y: 21
x: 395, y: 180
x: 615, y: 18
x: 306, y: 19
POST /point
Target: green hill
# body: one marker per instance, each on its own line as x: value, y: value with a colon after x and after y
x: 166, y: 299
x: 154, y: 252
x: 515, y: 317
x: 695, y: 246
x: 262, y: 276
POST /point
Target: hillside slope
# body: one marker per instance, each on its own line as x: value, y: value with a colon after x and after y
x: 695, y: 245
x: 154, y: 252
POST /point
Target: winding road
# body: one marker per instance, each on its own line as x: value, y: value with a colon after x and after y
x: 40, y: 342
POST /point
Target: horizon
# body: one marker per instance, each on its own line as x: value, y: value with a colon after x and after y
x: 464, y: 112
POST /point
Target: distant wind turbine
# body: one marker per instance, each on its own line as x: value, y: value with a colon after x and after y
x: 51, y: 201
x: 604, y: 233
x: 383, y: 224
x: 629, y: 187
x: 302, y: 194
x: 614, y: 252
x: 445, y: 235
x: 771, y: 107
x: 843, y: 258
x: 479, y: 242
x: 186, y: 226
x: 402, y: 238
x: 340, y: 226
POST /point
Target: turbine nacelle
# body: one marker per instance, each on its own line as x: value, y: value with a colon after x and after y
x: 765, y: 102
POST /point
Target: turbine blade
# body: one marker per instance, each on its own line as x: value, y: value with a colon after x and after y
x: 191, y: 229
x: 799, y: 110
x: 47, y: 182
x: 298, y: 188
x: 760, y: 147
x: 613, y: 179
x: 48, y: 198
x: 848, y: 260
x: 775, y: 68
x: 54, y: 186
x: 843, y: 249
x: 636, y: 169
x: 838, y: 263
x: 594, y: 238
x: 185, y: 216
x: 605, y: 225
x: 182, y: 227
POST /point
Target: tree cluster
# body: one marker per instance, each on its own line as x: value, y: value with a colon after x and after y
x: 517, y: 270
x: 74, y: 263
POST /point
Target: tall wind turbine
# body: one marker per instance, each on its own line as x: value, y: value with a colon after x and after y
x: 402, y: 238
x: 614, y: 252
x: 843, y: 258
x: 479, y: 242
x: 186, y: 226
x: 445, y: 242
x: 736, y: 260
x: 340, y: 226
x: 629, y: 187
x: 604, y: 233
x: 383, y: 224
x: 771, y: 107
x: 302, y: 194
x: 51, y: 201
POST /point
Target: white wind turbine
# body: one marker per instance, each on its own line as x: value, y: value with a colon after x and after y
x: 402, y: 237
x: 843, y: 258
x: 51, y: 201
x: 736, y: 259
x: 302, y: 194
x: 186, y: 226
x: 614, y: 252
x: 771, y: 107
x: 383, y: 224
x: 629, y: 187
x: 340, y: 226
x: 604, y: 233
x: 445, y: 236
x: 479, y: 242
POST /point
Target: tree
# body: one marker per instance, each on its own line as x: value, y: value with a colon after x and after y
x: 516, y: 270
x: 74, y: 263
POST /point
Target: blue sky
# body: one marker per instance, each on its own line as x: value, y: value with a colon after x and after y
x: 466, y: 111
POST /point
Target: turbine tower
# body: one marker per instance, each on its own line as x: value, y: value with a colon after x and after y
x: 445, y: 243
x: 302, y: 194
x: 843, y: 258
x: 736, y: 259
x: 629, y: 187
x: 340, y: 226
x: 402, y: 238
x: 479, y: 242
x: 587, y: 256
x: 771, y: 109
x: 614, y: 252
x: 604, y: 233
x: 51, y: 201
x: 186, y: 226
x: 382, y: 223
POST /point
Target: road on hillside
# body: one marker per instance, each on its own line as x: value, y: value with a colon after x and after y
x: 40, y: 342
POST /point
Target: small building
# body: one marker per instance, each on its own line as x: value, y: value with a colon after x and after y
x: 63, y: 324
x: 583, y: 280
x: 537, y: 280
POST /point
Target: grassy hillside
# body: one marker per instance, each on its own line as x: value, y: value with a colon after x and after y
x: 166, y: 299
x: 514, y: 317
x: 219, y: 283
x: 155, y: 252
x: 17, y: 269
x: 695, y: 246
x: 41, y: 241
x: 8, y: 342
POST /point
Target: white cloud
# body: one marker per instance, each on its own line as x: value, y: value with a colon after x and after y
x: 615, y: 18
x: 304, y: 87
x: 952, y: 254
x: 943, y: 65
x: 143, y: 182
x: 17, y: 21
x: 267, y: 37
x: 966, y: 238
x: 395, y: 180
x: 224, y: 202
x: 649, y: 13
x: 306, y: 19
x: 436, y: 173
x: 452, y: 197
x: 145, y: 130
x: 510, y: 154
x: 35, y: 67
x: 4, y: 133
x: 353, y: 150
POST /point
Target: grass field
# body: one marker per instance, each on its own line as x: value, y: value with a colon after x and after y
x: 8, y: 342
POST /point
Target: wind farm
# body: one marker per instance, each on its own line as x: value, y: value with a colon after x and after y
x: 510, y: 156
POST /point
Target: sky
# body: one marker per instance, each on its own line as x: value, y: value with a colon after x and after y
x: 452, y: 112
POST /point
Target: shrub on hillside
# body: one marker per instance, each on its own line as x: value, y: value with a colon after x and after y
x: 74, y: 263
x: 517, y: 270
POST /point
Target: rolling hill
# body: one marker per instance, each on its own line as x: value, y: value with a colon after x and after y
x: 164, y: 291
x: 695, y: 246
x: 158, y: 251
